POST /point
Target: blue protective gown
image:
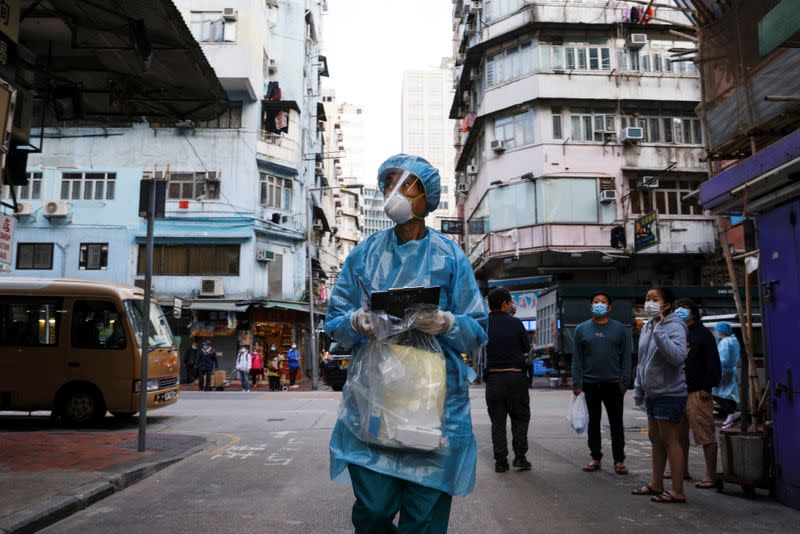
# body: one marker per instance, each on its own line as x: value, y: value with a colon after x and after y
x: 382, y: 263
x: 729, y: 356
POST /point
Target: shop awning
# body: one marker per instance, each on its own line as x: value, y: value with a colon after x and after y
x: 210, y: 305
x: 529, y: 280
x: 278, y: 305
x: 117, y: 61
x: 319, y: 215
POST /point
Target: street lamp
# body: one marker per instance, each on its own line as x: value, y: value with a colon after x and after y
x: 312, y: 323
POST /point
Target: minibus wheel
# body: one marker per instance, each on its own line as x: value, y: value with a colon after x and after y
x: 82, y: 406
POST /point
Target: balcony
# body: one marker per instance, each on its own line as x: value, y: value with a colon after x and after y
x: 680, y: 235
x: 279, y: 148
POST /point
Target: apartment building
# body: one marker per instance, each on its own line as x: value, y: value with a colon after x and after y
x: 578, y: 149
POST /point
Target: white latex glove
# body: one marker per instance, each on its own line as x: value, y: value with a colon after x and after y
x: 360, y: 322
x: 434, y: 323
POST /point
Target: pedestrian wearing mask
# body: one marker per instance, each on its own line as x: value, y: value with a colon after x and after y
x: 294, y: 364
x: 601, y: 368
x: 273, y: 373
x: 702, y: 375
x: 206, y: 364
x: 243, y: 366
x: 190, y: 361
x: 660, y: 386
x: 418, y: 485
x: 727, y: 393
x: 506, y: 383
x: 256, y: 366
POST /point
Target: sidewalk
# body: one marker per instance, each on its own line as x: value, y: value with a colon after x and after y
x: 47, y: 475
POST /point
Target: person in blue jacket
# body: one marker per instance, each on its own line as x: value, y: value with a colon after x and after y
x: 418, y: 485
x: 727, y: 392
x: 294, y: 364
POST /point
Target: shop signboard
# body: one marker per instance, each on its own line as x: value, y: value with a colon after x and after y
x: 6, y: 239
x: 177, y: 308
x: 645, y: 231
x: 526, y: 303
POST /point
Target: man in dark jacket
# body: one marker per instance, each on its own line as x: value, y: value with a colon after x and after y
x: 506, y: 381
x: 190, y: 358
x: 206, y: 363
x: 703, y: 372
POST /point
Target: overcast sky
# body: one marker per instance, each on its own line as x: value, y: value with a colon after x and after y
x: 369, y: 43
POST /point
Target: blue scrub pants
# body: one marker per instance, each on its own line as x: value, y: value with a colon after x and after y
x: 379, y: 497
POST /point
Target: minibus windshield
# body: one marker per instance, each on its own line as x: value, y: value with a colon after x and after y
x: 160, y: 334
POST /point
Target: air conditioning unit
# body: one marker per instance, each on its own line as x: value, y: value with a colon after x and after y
x: 474, y: 75
x: 56, y: 208
x: 637, y: 40
x: 272, y: 65
x: 633, y: 133
x: 212, y: 176
x: 229, y: 14
x: 267, y: 255
x: 465, y: 96
x: 647, y: 182
x: 472, y: 169
x: 471, y: 27
x: 461, y: 188
x: 24, y: 210
x: 498, y: 145
x: 608, y: 195
x: 211, y: 287
x: 476, y: 5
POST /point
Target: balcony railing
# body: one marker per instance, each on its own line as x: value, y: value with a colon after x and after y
x: 278, y: 147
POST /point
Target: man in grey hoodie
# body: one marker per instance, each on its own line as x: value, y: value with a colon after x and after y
x: 660, y: 385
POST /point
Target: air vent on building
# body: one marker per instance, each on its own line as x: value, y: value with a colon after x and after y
x: 211, y: 287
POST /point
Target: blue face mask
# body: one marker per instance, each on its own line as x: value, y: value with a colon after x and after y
x: 599, y: 309
x: 683, y: 314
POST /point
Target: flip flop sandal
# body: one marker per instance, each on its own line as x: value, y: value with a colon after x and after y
x: 590, y: 467
x: 620, y: 469
x: 667, y: 498
x: 705, y: 484
x: 646, y: 490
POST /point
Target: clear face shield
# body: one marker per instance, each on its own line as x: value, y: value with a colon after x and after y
x: 397, y: 204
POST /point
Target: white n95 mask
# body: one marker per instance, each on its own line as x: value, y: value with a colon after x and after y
x: 398, y: 206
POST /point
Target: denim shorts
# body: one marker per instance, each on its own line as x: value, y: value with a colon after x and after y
x: 666, y: 408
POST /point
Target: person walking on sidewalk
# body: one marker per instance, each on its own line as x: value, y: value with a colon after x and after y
x: 660, y: 386
x: 294, y: 364
x: 243, y: 366
x: 702, y: 375
x: 256, y: 366
x: 601, y: 368
x: 506, y: 381
x: 190, y: 361
x: 206, y: 364
x: 273, y: 373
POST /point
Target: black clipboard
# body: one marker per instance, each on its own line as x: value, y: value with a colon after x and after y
x: 397, y: 301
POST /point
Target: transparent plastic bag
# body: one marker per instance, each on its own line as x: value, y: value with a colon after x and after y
x: 396, y: 387
x: 578, y: 415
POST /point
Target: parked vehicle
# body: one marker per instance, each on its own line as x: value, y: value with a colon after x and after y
x: 335, y: 369
x: 74, y: 347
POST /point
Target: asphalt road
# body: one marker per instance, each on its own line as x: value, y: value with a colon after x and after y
x: 269, y: 473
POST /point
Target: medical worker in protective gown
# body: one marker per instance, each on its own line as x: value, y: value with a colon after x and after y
x: 418, y: 485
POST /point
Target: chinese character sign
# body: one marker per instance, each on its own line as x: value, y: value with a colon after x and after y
x: 525, y: 302
x: 6, y: 238
x: 9, y: 19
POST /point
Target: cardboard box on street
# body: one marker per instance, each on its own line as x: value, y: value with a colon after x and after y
x: 219, y: 379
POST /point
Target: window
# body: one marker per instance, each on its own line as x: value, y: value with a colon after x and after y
x: 516, y: 130
x: 231, y: 119
x: 192, y: 260
x: 510, y: 64
x: 571, y: 200
x: 211, y: 27
x: 35, y: 256
x: 574, y: 55
x: 668, y: 199
x: 494, y: 9
x: 675, y: 129
x: 93, y: 256
x: 27, y: 321
x: 88, y: 185
x: 96, y: 324
x: 32, y: 191
x: 591, y: 126
x: 557, y: 133
x: 276, y: 192
x: 193, y: 186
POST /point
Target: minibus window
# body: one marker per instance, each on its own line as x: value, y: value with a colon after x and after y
x: 96, y: 324
x: 160, y: 334
x: 28, y: 322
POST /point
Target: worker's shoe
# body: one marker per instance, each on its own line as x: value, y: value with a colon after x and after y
x: 521, y: 463
x: 500, y: 467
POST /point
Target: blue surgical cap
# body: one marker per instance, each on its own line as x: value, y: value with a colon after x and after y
x: 419, y: 167
x: 724, y: 328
